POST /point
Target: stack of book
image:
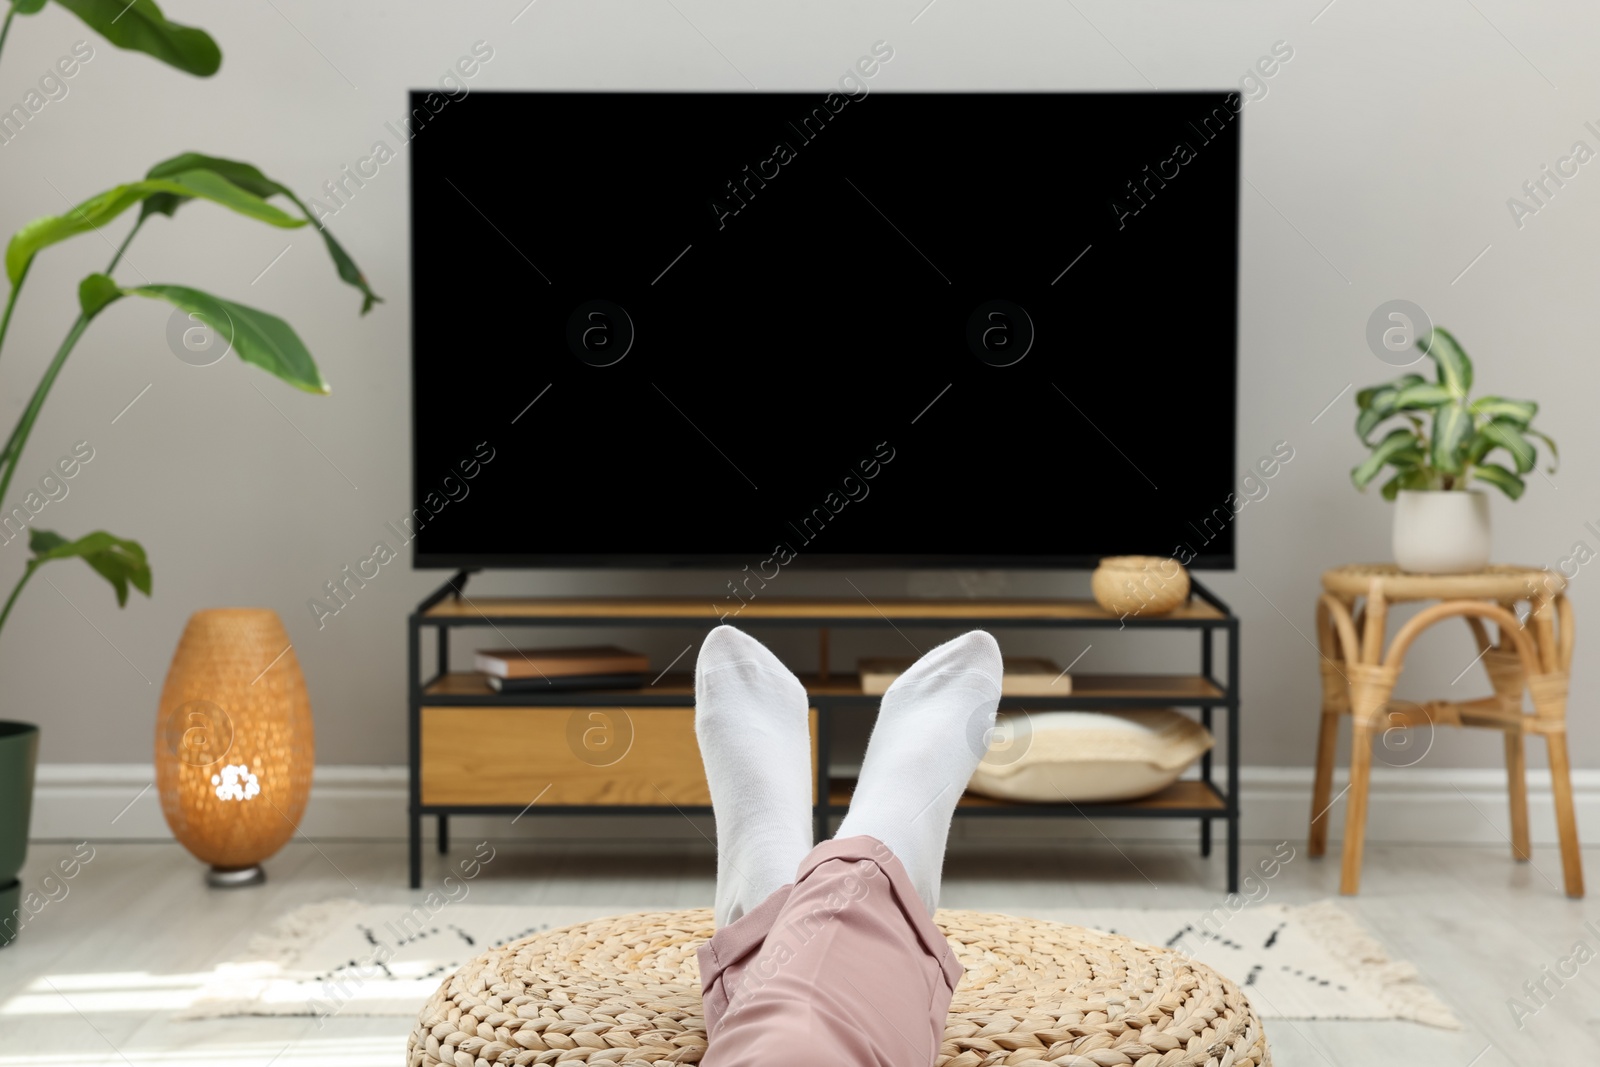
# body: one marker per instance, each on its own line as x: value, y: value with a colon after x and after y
x: 530, y: 670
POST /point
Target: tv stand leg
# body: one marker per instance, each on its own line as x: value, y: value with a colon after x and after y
x: 1205, y: 837
x: 1233, y: 853
x: 1233, y: 756
x: 444, y: 834
x: 416, y: 850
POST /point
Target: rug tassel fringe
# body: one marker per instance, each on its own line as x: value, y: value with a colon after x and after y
x: 1348, y: 941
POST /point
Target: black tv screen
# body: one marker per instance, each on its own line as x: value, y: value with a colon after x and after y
x: 860, y: 329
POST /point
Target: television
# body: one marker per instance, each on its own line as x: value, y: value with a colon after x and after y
x: 853, y: 328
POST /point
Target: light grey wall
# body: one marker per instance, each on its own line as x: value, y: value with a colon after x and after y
x: 1379, y: 164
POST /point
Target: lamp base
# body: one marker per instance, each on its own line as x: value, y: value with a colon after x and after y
x: 237, y: 878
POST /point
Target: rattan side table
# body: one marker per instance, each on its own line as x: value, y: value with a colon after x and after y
x: 1359, y: 675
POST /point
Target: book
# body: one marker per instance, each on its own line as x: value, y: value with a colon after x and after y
x: 540, y: 663
x: 566, y: 683
x: 1026, y: 676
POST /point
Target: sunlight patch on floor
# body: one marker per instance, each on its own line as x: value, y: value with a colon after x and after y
x: 84, y: 994
x: 383, y: 1051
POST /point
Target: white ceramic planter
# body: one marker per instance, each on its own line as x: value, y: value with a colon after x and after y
x: 1441, y: 531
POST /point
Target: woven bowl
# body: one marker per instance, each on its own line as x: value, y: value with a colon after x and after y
x: 1139, y: 585
x: 625, y: 990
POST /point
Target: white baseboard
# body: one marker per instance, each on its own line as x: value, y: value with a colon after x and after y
x: 116, y: 801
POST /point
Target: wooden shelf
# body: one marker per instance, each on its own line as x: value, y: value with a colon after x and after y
x: 812, y: 611
x: 1152, y: 688
x: 1189, y: 796
x: 448, y: 775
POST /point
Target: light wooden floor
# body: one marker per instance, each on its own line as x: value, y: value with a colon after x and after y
x: 91, y: 980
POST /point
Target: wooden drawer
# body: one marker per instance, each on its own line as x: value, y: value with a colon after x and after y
x: 506, y: 756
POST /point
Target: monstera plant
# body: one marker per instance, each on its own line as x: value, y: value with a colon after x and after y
x: 258, y: 337
x: 1449, y: 444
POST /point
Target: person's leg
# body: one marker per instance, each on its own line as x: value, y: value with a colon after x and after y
x: 846, y: 966
x: 751, y: 720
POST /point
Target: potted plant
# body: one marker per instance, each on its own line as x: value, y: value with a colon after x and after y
x: 255, y: 336
x: 1441, y: 520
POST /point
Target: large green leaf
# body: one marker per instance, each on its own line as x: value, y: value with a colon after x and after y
x: 139, y: 25
x: 1500, y: 478
x: 250, y: 177
x: 1455, y: 369
x: 28, y: 7
x: 1503, y: 433
x: 98, y: 210
x: 1452, y: 425
x: 259, y: 337
x: 1398, y: 442
x: 118, y: 561
x: 1499, y: 407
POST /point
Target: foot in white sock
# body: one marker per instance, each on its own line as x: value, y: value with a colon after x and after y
x: 752, y: 721
x: 933, y: 727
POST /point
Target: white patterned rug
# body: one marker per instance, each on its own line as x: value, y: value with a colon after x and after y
x: 345, y: 957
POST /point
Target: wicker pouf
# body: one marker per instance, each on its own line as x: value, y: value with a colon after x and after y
x: 626, y: 990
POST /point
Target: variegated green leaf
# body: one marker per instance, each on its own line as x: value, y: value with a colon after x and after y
x: 1455, y: 369
x: 1410, y: 478
x: 1503, y: 433
x: 1365, y: 397
x: 1452, y: 425
x: 1398, y: 441
x: 1499, y: 407
x: 1424, y: 395
x: 1555, y: 456
x: 1500, y: 478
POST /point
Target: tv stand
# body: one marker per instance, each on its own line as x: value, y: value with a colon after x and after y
x: 476, y: 751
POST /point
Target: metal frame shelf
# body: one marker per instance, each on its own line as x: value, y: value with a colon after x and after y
x: 1202, y: 799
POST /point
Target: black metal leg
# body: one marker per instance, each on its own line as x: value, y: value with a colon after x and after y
x: 1233, y: 853
x: 1233, y: 756
x: 416, y: 850
x: 414, y: 745
x: 444, y: 831
x: 1205, y: 759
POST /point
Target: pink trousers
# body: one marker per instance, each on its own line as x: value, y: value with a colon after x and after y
x: 843, y: 967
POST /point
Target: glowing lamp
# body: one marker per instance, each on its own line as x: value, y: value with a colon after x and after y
x: 234, y: 744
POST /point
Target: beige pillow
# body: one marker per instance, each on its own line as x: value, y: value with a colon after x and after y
x: 1056, y: 756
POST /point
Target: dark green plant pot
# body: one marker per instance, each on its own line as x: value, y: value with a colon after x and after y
x: 19, y: 753
x: 10, y: 912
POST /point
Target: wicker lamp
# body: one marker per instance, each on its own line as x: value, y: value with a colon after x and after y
x: 234, y: 747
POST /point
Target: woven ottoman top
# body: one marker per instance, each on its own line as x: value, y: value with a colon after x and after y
x: 626, y: 990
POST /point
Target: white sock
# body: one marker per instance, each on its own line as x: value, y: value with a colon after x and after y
x: 752, y: 720
x: 933, y: 727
